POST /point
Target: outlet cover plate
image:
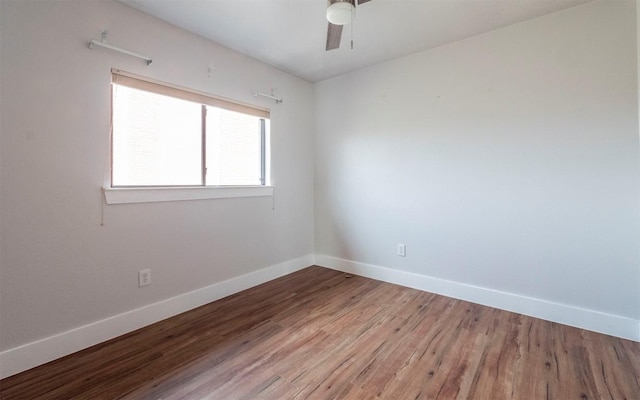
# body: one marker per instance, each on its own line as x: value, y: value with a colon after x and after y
x: 144, y: 277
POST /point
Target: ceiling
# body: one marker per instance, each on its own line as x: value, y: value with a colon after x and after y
x: 291, y: 34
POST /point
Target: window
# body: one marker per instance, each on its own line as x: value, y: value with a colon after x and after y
x: 167, y: 136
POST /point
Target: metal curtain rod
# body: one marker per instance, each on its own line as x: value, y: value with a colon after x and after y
x: 267, y: 95
x: 103, y: 43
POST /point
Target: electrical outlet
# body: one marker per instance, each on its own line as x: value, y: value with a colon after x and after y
x: 402, y: 249
x: 144, y: 277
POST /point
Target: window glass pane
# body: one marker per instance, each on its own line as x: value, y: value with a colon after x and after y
x: 234, y: 149
x: 157, y: 140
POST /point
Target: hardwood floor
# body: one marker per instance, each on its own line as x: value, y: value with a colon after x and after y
x: 321, y: 334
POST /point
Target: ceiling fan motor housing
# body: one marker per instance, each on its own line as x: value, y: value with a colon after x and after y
x: 340, y: 12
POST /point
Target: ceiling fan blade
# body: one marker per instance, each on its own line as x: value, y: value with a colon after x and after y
x: 363, y: 1
x: 334, y: 33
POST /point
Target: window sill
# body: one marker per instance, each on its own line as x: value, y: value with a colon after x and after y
x: 152, y: 195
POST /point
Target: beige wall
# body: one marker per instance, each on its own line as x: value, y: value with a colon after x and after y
x: 60, y: 268
x: 505, y: 162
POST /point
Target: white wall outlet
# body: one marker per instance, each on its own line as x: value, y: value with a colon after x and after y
x: 402, y: 249
x: 144, y: 277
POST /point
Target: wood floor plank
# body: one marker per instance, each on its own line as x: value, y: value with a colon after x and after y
x: 323, y: 334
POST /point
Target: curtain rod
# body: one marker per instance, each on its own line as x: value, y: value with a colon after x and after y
x: 267, y: 95
x: 103, y: 43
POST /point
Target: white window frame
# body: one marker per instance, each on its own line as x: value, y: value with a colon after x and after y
x: 143, y: 194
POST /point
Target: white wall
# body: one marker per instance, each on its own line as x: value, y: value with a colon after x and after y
x: 60, y: 269
x: 507, y: 162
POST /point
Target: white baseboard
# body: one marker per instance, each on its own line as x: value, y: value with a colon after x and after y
x: 609, y: 324
x: 30, y: 355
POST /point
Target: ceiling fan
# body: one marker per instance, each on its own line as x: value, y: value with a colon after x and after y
x: 339, y: 13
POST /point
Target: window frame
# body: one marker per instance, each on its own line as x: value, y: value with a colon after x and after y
x: 143, y: 194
